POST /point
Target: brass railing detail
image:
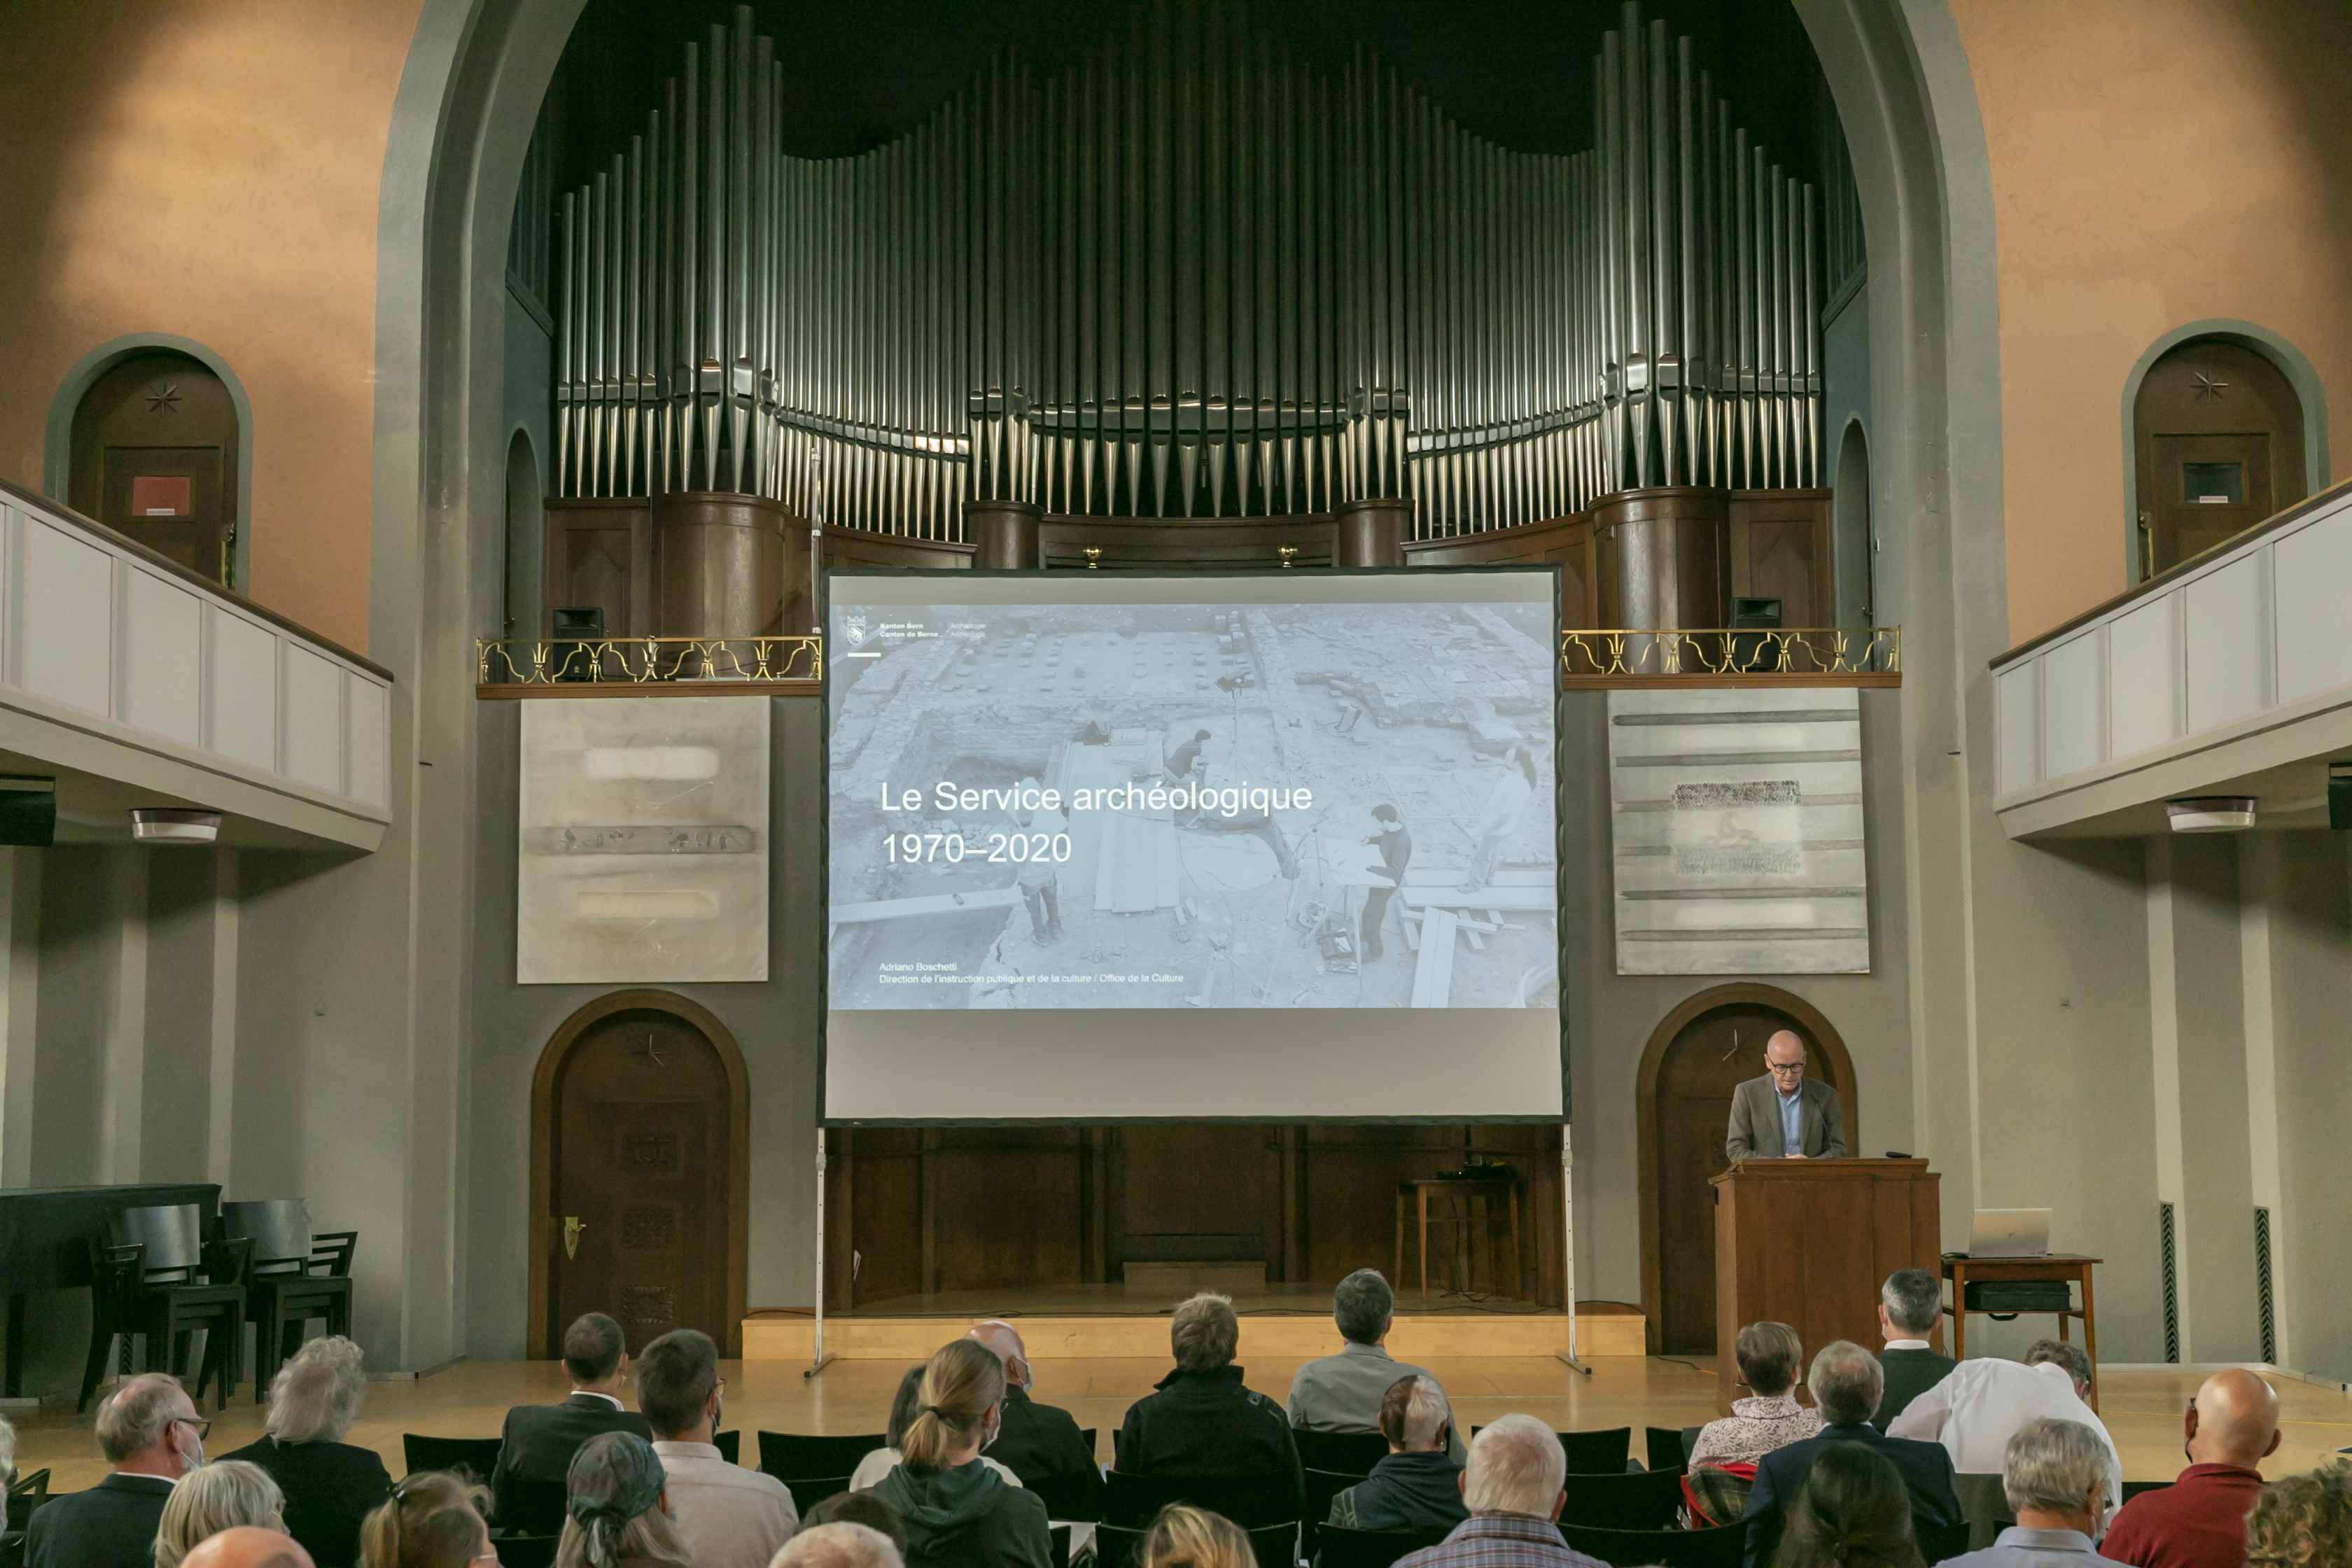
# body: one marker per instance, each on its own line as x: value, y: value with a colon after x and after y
x: 641, y: 660
x: 1731, y: 654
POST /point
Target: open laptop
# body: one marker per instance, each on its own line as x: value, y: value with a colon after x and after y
x: 2009, y: 1233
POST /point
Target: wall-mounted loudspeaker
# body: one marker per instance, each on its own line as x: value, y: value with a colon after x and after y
x: 29, y: 811
x: 2339, y: 796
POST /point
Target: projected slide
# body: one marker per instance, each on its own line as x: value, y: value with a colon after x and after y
x: 1084, y: 796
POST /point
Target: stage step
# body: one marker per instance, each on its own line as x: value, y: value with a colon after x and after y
x: 1602, y: 1329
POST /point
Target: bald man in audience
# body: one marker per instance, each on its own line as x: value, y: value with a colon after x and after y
x: 2200, y: 1520
x: 1039, y: 1443
x: 248, y: 1546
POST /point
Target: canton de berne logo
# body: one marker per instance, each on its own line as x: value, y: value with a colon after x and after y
x: 852, y: 627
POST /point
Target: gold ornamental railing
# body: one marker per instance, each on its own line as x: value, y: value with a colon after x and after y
x: 1729, y: 653
x: 639, y: 661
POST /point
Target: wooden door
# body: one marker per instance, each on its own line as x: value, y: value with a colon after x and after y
x: 1195, y: 1192
x: 155, y: 457
x: 640, y: 1165
x: 2217, y: 435
x: 1708, y: 1059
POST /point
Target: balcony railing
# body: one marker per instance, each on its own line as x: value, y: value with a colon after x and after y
x: 643, y: 661
x: 1730, y: 655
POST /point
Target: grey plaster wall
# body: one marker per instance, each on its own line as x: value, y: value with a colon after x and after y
x: 2311, y: 983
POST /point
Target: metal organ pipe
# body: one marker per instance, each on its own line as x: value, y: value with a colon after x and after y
x: 1188, y: 278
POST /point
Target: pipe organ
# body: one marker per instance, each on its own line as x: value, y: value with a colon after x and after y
x: 1189, y: 278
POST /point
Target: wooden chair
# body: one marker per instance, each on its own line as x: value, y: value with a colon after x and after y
x: 1641, y: 1500
x: 475, y: 1457
x: 296, y: 1277
x: 1602, y: 1453
x: 184, y: 1285
x: 1722, y: 1546
x: 1337, y: 1546
x: 1251, y: 1501
x: 1344, y: 1453
x: 1666, y: 1448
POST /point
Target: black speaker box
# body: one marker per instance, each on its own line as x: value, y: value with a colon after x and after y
x: 29, y: 812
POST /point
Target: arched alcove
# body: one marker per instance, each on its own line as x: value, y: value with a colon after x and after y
x: 525, y: 494
x: 1850, y: 526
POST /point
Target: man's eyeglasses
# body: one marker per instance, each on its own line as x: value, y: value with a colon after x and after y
x: 1786, y: 1067
x: 202, y: 1426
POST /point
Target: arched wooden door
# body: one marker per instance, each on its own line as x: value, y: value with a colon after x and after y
x: 2217, y: 435
x: 154, y: 456
x: 640, y: 1173
x: 1699, y: 1053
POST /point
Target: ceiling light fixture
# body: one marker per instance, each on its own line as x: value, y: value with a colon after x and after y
x: 2211, y: 814
x: 172, y: 825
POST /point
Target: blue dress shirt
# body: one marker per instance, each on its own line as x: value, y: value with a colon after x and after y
x: 1792, y: 1121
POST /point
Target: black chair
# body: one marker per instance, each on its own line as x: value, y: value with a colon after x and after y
x: 1348, y: 1452
x: 1640, y: 1499
x: 296, y: 1277
x: 1723, y: 1546
x: 1604, y: 1453
x: 1060, y: 1544
x: 785, y: 1455
x: 1337, y: 1546
x: 1275, y: 1545
x: 810, y: 1490
x: 526, y: 1551
x: 1250, y: 1501
x: 1322, y: 1486
x: 529, y: 1505
x: 1071, y: 1498
x: 154, y: 1273
x: 26, y: 1493
x: 2133, y: 1488
x: 730, y: 1445
x: 1940, y: 1542
x: 1665, y: 1449
x: 475, y: 1457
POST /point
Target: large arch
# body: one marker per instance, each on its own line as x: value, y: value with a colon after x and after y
x: 469, y: 92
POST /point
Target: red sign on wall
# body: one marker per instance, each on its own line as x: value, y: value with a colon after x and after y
x: 159, y: 495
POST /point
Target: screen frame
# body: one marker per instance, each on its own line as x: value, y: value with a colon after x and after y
x: 824, y: 851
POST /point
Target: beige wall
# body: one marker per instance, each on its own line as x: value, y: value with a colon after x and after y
x: 2154, y: 162
x: 210, y: 170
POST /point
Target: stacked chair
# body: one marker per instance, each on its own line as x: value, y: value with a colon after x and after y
x: 154, y: 1273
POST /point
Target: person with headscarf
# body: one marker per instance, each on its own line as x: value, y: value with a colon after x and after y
x: 614, y: 1512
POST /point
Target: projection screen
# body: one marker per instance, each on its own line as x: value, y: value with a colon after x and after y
x: 1111, y: 846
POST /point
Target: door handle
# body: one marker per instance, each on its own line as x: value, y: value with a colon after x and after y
x: 572, y: 1226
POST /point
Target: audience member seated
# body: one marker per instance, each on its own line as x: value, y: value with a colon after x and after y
x: 838, y: 1545
x: 149, y: 1430
x: 1847, y: 1385
x: 1343, y: 1392
x: 433, y: 1520
x: 2054, y: 1474
x: 1910, y: 1313
x: 612, y: 1511
x: 958, y: 1512
x: 539, y: 1439
x: 1418, y: 1486
x: 859, y: 1508
x: 329, y: 1485
x: 1202, y: 1421
x: 2200, y: 1520
x: 1982, y: 1402
x: 903, y: 1405
x: 1187, y: 1537
x: 2303, y: 1521
x: 248, y: 1546
x: 729, y: 1517
x: 220, y: 1495
x: 1513, y: 1487
x: 1769, y: 1417
x: 1039, y: 1442
x: 1853, y: 1512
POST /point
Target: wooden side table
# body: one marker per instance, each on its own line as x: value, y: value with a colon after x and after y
x: 1961, y: 1270
x: 1418, y: 1188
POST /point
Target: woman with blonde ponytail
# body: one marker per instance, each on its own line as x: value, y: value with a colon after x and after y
x: 433, y: 1520
x: 958, y: 1512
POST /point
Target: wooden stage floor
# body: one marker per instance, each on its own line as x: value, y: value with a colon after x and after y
x: 470, y: 1400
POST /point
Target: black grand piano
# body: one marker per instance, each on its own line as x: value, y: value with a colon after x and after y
x: 45, y: 1243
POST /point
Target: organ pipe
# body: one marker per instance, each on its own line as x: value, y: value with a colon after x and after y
x: 1187, y: 278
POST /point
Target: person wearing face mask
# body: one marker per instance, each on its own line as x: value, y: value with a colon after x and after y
x: 1040, y: 1443
x: 729, y: 1517
x: 149, y: 1430
x: 958, y: 1512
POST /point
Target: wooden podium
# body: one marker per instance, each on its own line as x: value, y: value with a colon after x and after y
x: 1808, y: 1242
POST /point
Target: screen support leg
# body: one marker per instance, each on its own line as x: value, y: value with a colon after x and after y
x: 1568, y: 1247
x: 818, y: 1365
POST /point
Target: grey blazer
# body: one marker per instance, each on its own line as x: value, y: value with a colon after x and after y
x: 1755, y: 1121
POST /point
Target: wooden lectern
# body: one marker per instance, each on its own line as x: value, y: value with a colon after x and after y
x: 1808, y: 1242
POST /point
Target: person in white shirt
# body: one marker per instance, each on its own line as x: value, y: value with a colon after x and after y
x: 1981, y: 1405
x: 729, y: 1517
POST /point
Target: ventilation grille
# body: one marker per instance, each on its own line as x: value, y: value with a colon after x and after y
x: 2263, y: 1286
x: 2171, y: 1283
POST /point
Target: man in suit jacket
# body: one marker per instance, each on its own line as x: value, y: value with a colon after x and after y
x: 1785, y: 1115
x: 539, y: 1439
x: 150, y: 1431
x: 1040, y: 1443
x: 1910, y: 1313
x: 1847, y: 1385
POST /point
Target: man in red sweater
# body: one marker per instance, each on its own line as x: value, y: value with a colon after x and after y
x: 2200, y: 1520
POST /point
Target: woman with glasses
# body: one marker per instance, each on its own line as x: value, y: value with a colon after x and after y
x: 433, y: 1519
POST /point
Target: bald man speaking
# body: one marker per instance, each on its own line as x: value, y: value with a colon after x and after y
x: 1784, y: 1115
